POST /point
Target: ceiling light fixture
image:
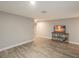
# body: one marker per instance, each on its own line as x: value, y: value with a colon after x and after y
x: 32, y: 2
x: 35, y: 21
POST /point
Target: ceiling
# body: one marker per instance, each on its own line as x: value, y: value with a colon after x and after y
x: 42, y: 10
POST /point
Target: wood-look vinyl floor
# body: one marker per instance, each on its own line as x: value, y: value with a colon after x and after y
x: 42, y: 48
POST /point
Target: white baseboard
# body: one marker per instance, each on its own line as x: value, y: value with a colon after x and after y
x: 12, y: 46
x: 74, y: 43
x: 44, y: 37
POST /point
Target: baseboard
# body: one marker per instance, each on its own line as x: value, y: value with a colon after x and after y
x: 12, y: 46
x: 47, y: 37
x: 74, y: 43
x: 51, y: 38
x: 44, y: 37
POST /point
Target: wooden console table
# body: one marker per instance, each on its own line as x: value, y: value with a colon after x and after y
x: 60, y: 36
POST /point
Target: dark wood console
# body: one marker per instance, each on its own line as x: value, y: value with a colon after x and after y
x: 60, y: 36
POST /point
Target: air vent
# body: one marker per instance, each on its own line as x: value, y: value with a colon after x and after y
x: 43, y: 11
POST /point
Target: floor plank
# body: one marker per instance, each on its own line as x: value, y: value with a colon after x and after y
x: 42, y: 48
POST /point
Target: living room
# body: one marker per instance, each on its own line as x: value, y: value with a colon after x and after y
x: 27, y: 29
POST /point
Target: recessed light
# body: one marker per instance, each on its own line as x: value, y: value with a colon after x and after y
x: 35, y: 20
x: 32, y: 2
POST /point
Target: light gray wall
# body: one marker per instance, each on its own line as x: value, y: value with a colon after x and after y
x: 15, y: 29
x: 44, y: 29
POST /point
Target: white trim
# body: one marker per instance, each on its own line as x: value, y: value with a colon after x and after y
x: 44, y: 36
x: 74, y: 43
x: 12, y: 46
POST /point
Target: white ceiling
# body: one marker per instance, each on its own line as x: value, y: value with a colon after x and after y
x: 55, y: 9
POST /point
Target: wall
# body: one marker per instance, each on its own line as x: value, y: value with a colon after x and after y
x: 44, y: 29
x: 15, y: 30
